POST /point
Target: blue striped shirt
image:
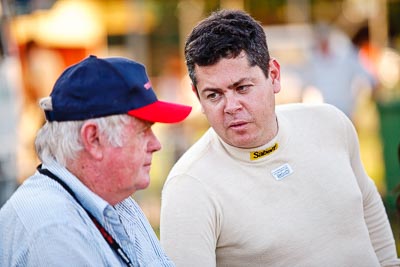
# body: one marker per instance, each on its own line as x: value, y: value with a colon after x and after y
x: 43, y: 225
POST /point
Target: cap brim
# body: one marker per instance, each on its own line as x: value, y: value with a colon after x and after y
x: 160, y: 111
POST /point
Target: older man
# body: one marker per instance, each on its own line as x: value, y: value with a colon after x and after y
x: 96, y: 149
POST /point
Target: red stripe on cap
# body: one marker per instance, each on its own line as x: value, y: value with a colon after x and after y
x: 160, y: 111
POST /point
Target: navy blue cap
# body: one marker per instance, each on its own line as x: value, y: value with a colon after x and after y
x: 98, y: 87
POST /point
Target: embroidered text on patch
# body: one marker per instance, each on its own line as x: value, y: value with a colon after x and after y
x: 254, y: 155
x: 281, y: 172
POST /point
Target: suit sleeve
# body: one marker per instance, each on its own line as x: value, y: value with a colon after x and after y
x: 189, y: 223
x: 375, y: 216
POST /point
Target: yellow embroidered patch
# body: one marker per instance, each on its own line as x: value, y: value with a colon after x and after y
x: 254, y: 155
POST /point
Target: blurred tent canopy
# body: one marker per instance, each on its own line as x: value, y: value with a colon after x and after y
x: 82, y: 23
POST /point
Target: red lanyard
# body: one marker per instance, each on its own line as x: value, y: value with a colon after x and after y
x: 109, y: 239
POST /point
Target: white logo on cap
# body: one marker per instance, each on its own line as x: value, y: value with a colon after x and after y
x: 147, y: 85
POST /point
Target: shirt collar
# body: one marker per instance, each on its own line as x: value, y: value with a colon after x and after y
x: 262, y: 153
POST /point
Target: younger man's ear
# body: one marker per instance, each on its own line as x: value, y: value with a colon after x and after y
x: 275, y: 74
x: 194, y: 89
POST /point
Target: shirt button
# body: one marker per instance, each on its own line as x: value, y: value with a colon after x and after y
x: 109, y: 213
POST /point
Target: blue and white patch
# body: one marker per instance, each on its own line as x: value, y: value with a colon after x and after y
x: 282, y: 172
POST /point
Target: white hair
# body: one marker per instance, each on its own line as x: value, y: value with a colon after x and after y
x: 61, y: 141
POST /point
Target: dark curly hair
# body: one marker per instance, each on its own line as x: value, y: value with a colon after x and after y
x: 225, y: 34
